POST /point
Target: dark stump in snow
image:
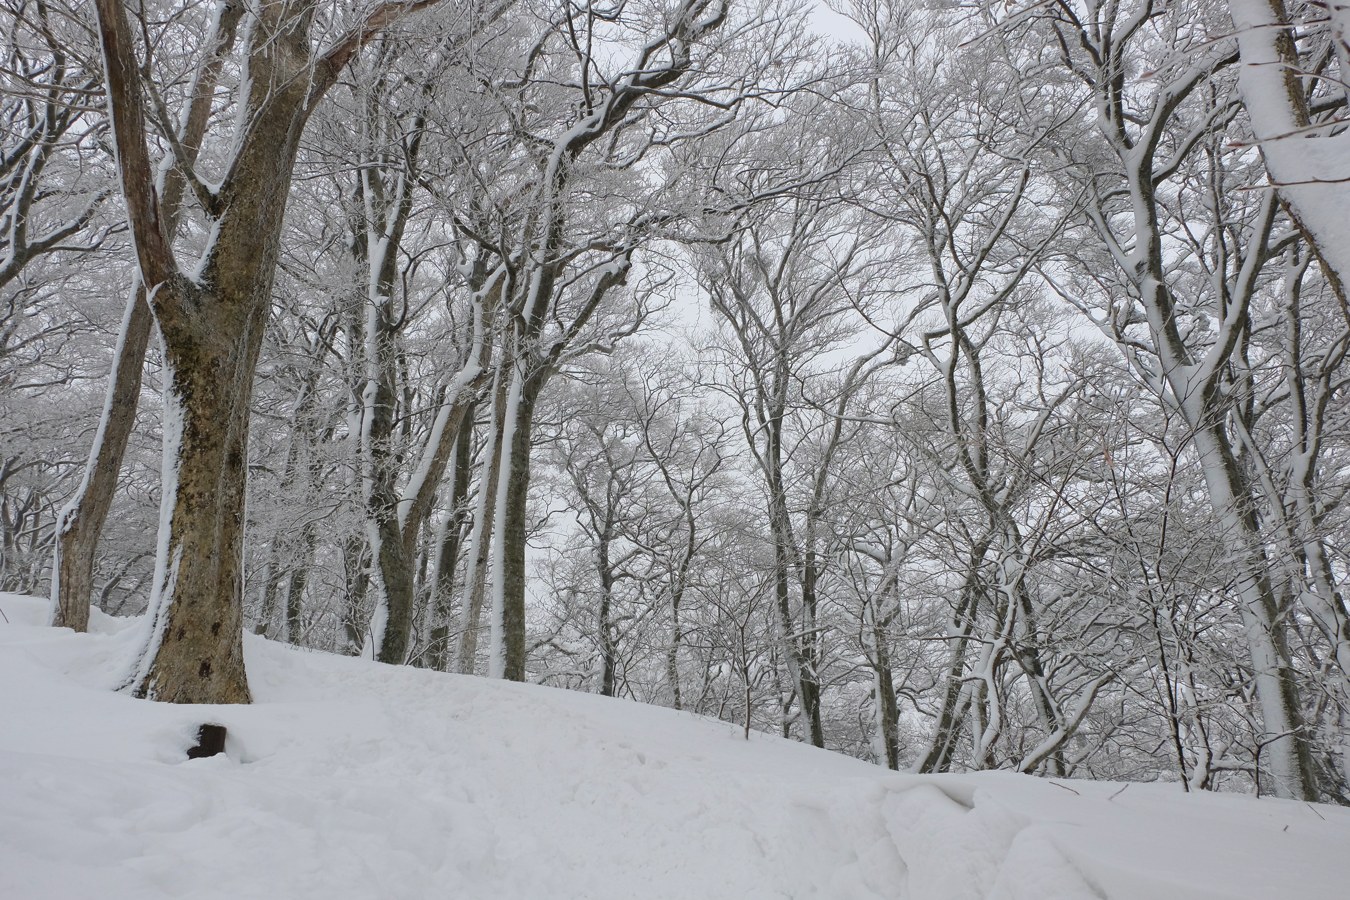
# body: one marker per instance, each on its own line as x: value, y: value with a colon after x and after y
x: 210, y: 741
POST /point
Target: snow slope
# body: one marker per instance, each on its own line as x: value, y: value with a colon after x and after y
x: 348, y: 779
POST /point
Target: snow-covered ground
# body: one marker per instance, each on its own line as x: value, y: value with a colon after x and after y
x: 348, y: 779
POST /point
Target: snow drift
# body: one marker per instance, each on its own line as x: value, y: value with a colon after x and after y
x: 349, y: 779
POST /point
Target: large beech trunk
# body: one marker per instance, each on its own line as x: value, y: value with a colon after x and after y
x: 196, y: 652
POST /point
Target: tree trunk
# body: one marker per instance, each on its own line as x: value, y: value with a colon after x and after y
x: 295, y: 586
x: 81, y: 521
x: 888, y: 712
x: 799, y: 648
x: 956, y: 693
x: 484, y: 526
x: 448, y: 561
x: 357, y: 571
x: 195, y: 653
x: 608, y: 648
x: 391, y: 567
x: 304, y: 557
x: 511, y: 532
x: 673, y: 651
x: 1287, y: 743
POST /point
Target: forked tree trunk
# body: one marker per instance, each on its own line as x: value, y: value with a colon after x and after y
x: 526, y: 378
x: 398, y: 531
x: 532, y: 360
x: 212, y: 326
x: 81, y: 521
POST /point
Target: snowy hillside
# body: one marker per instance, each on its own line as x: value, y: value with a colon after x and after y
x: 354, y: 780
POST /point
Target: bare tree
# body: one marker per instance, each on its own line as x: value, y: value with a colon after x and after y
x: 1183, y: 334
x: 561, y: 268
x: 211, y: 318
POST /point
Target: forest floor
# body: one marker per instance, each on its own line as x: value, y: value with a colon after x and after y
x: 349, y: 779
